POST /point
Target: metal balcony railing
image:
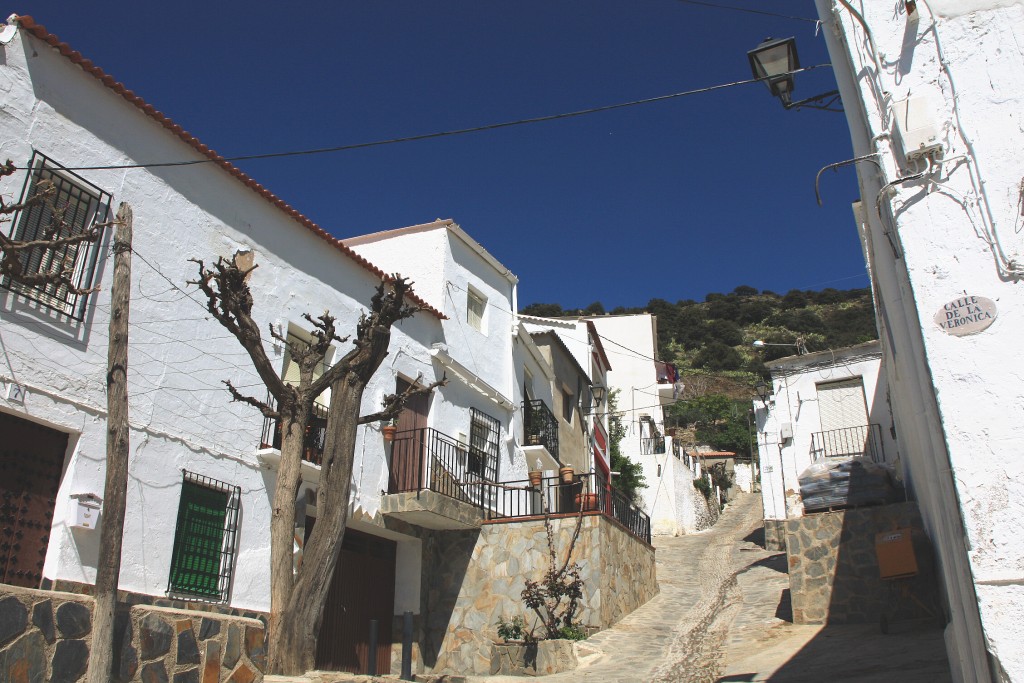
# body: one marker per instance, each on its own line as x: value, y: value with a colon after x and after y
x: 313, y: 442
x: 862, y: 441
x: 652, y: 446
x: 540, y: 427
x: 516, y: 499
x: 426, y: 459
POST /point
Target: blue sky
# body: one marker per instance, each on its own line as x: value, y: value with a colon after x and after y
x: 668, y: 200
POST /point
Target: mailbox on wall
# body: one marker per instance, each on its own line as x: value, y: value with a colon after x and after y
x: 86, y: 511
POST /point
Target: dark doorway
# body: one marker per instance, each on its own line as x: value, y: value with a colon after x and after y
x: 31, y: 461
x: 363, y: 589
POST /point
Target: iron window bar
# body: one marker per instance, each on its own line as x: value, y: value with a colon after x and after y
x: 205, y: 539
x: 540, y: 426
x: 849, y: 442
x: 84, y: 205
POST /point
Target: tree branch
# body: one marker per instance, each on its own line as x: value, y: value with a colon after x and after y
x: 229, y: 301
x: 395, y: 403
x: 259, y: 405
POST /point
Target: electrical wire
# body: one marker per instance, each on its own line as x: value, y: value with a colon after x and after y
x: 748, y: 10
x: 441, y: 134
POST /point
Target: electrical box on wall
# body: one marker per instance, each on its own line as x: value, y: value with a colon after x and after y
x: 916, y: 129
x: 786, y: 431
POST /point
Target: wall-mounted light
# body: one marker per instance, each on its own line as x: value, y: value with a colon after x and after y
x: 763, y: 392
x: 599, y: 393
x: 773, y: 62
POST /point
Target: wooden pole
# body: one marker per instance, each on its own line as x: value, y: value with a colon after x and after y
x: 101, y: 656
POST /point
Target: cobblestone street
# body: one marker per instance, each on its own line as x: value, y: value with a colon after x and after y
x: 723, y: 615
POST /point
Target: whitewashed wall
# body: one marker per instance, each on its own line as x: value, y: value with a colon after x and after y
x: 795, y: 401
x: 445, y: 263
x: 953, y: 231
x: 180, y: 413
x: 630, y: 342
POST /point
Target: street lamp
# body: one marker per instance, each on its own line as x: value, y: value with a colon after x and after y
x: 774, y: 61
x: 763, y: 392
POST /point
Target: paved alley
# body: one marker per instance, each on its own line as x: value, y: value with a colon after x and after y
x: 723, y: 615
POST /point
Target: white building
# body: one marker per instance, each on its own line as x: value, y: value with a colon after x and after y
x: 191, y: 448
x: 933, y: 92
x: 202, y: 469
x: 644, y: 386
x: 827, y: 404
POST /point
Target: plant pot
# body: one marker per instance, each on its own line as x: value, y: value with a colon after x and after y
x: 566, y: 474
x: 389, y: 432
x: 586, y: 501
x: 535, y: 477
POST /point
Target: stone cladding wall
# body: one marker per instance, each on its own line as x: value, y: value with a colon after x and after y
x: 46, y: 636
x: 472, y: 579
x: 833, y: 567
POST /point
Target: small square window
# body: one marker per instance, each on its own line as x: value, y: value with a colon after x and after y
x: 76, y: 206
x: 204, y: 539
x: 476, y: 304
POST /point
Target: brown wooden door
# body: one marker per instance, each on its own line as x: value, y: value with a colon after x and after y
x: 363, y: 589
x: 31, y: 461
x: 407, y: 450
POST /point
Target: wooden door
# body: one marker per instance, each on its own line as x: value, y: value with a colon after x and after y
x: 363, y: 589
x: 31, y: 461
x: 408, y: 448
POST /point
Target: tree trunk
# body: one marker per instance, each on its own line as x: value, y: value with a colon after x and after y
x: 101, y: 656
x: 299, y: 625
x: 282, y: 522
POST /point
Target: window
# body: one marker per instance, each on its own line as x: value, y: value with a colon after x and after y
x: 75, y: 208
x: 290, y: 373
x: 483, y: 445
x: 527, y: 385
x: 476, y: 304
x: 204, y: 539
x: 567, y: 405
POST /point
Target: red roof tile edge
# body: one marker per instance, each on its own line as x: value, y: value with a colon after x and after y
x: 39, y: 31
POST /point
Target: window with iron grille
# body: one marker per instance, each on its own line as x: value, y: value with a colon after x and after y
x: 483, y: 445
x: 76, y: 207
x: 204, y: 539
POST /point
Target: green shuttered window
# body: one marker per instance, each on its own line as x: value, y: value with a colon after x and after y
x: 203, y: 554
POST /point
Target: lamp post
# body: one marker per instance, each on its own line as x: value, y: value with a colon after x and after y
x: 773, y: 62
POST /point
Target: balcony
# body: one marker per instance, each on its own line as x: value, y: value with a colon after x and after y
x: 518, y: 499
x: 652, y: 446
x: 437, y: 482
x: 312, y: 446
x: 668, y: 378
x: 850, y: 442
x: 540, y: 432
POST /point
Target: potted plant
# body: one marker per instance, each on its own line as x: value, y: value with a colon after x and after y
x: 566, y: 474
x: 535, y: 477
x: 586, y: 501
x: 389, y: 429
x: 513, y: 631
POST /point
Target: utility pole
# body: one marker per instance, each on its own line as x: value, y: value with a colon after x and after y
x: 101, y: 656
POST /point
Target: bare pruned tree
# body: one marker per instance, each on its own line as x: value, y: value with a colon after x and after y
x: 298, y: 599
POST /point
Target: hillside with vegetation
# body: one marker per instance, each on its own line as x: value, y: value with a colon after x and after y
x: 711, y: 344
x: 715, y: 336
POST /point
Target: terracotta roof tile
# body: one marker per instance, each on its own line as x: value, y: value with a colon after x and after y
x: 30, y: 25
